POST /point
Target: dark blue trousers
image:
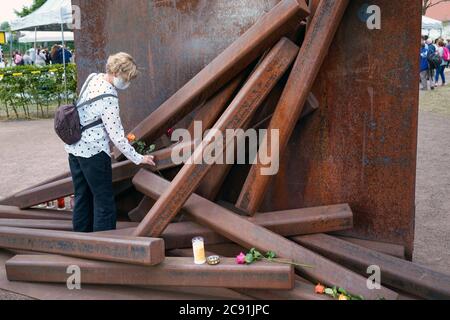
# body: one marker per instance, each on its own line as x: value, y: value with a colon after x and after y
x: 95, y: 208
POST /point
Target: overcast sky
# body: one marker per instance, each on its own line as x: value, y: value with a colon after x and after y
x: 7, y: 8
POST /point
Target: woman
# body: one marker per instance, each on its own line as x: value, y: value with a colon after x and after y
x: 89, y: 159
x: 440, y: 71
x: 40, y: 58
x: 18, y: 60
x: 54, y: 54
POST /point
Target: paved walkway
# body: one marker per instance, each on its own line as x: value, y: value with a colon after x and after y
x: 432, y: 237
x: 30, y: 152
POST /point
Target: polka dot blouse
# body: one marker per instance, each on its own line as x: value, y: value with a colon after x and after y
x: 97, y: 139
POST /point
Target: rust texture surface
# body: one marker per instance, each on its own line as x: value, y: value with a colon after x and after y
x: 358, y: 148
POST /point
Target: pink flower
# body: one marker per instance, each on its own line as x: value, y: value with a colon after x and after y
x: 240, y: 259
x: 170, y: 132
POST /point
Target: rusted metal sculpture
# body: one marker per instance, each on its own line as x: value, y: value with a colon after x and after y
x: 314, y: 49
x: 238, y: 113
x: 58, y: 225
x: 346, y: 152
x: 10, y: 212
x: 355, y: 149
x: 178, y: 272
x: 394, y: 250
x: 285, y: 223
x: 249, y: 235
x: 145, y: 251
x: 63, y: 188
x: 301, y: 290
x: 397, y: 273
x: 283, y: 18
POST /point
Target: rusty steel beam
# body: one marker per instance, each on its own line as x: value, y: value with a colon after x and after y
x: 265, y: 33
x: 62, y: 188
x: 173, y: 271
x: 163, y: 157
x: 11, y: 212
x: 302, y: 290
x: 286, y: 223
x: 210, y: 185
x: 250, y: 235
x: 394, y: 250
x: 210, y: 112
x: 241, y: 110
x: 315, y: 47
x: 397, y: 273
x: 58, y: 225
x: 145, y: 251
x: 213, y: 181
x: 10, y: 200
x: 138, y: 214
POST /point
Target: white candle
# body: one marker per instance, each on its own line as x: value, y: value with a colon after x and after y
x: 198, y: 246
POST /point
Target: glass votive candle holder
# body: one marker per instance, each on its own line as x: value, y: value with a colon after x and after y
x: 61, y: 203
x: 50, y: 204
x: 198, y: 246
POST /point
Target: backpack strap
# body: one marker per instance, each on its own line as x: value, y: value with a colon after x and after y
x: 99, y: 121
x: 98, y: 98
x: 93, y: 124
x: 85, y: 86
x: 88, y: 102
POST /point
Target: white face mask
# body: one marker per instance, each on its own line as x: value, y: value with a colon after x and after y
x: 120, y: 84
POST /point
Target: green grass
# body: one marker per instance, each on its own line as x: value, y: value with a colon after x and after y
x: 34, y: 113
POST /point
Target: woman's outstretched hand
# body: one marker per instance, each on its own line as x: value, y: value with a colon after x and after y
x: 149, y: 160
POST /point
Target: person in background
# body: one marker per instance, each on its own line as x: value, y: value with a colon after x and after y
x: 424, y: 66
x: 431, y: 68
x: 54, y: 54
x: 424, y: 40
x: 40, y: 58
x: 60, y: 55
x: 90, y: 158
x: 18, y: 59
x: 448, y: 48
x: 27, y: 60
x: 48, y: 59
x: 440, y: 70
x: 2, y: 59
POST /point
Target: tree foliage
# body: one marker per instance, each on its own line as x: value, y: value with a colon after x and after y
x: 427, y: 4
x: 4, y: 26
x: 24, y: 86
x: 28, y: 10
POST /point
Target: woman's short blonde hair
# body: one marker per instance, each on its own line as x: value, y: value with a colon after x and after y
x: 122, y: 64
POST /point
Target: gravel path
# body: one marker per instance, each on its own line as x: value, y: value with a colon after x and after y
x: 432, y: 237
x: 30, y: 153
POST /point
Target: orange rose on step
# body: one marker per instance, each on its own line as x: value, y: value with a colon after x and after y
x: 131, y: 138
x: 320, y: 289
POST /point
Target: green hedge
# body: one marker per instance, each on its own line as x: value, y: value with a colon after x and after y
x: 27, y: 88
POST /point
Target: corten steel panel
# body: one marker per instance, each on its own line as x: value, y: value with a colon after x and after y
x: 360, y: 147
x: 171, y: 40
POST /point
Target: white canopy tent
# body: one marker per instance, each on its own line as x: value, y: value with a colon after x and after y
x: 45, y: 36
x: 51, y: 15
x: 432, y: 27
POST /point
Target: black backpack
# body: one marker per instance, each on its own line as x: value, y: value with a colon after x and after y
x: 67, y: 119
x: 434, y: 59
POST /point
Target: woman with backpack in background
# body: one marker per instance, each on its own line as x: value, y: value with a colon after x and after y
x: 440, y: 69
x: 90, y: 157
